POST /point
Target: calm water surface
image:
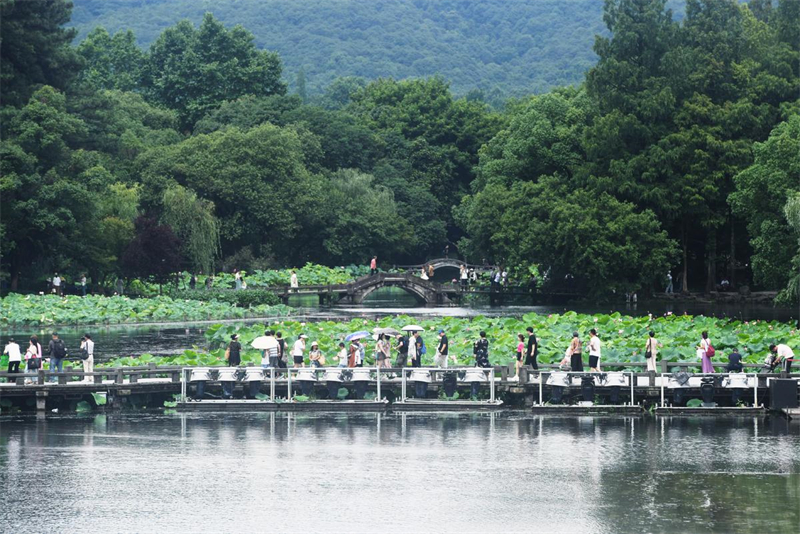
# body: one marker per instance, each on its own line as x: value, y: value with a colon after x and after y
x: 398, y: 473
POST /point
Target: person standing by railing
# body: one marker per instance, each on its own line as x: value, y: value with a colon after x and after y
x: 373, y: 265
x: 293, y: 281
x: 520, y: 352
x: 87, y: 348
x: 297, y: 352
x: 480, y: 349
x: 706, y: 351
x: 57, y: 351
x: 533, y: 350
x: 382, y: 352
x: 594, y: 351
x: 575, y: 352
x: 14, y: 356
x: 33, y: 357
x: 402, y: 351
x: 784, y: 354
x: 234, y: 351
x: 651, y: 347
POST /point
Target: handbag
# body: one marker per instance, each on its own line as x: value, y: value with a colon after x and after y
x: 649, y: 353
x: 34, y: 363
x: 84, y: 354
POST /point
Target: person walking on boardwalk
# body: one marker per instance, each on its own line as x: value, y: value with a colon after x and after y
x: 651, y: 347
x: 87, y: 345
x: 442, y: 351
x: 283, y: 357
x: 57, y: 351
x: 373, y: 265
x: 784, y: 355
x: 480, y: 349
x: 382, y: 352
x: 464, y: 277
x: 668, y: 290
x: 412, y: 350
x: 520, y: 353
x: 234, y: 351
x: 293, y: 281
x: 402, y: 351
x: 298, y: 351
x: 706, y: 351
x: 342, y: 355
x: 315, y: 356
x: 594, y: 351
x: 575, y: 352
x: 14, y: 356
x: 269, y: 356
x: 533, y: 350
x: 734, y: 362
x: 33, y: 357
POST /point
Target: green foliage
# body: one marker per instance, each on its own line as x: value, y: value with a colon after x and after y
x: 192, y: 219
x: 501, y: 47
x: 623, y: 337
x: 49, y: 309
x: 244, y: 299
x: 111, y: 62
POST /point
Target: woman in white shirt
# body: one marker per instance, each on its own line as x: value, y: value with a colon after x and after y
x: 88, y: 364
x: 293, y: 280
x: 298, y: 350
x: 651, y: 345
x: 33, y: 357
x: 594, y: 351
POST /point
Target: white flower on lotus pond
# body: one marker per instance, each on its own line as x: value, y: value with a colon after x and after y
x: 595, y: 319
x: 620, y: 332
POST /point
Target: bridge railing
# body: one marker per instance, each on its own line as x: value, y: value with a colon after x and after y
x: 117, y: 375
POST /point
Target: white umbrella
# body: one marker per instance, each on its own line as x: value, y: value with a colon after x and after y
x: 387, y: 331
x: 413, y: 328
x: 264, y: 342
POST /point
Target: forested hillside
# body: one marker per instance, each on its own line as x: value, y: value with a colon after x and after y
x: 502, y: 47
x: 677, y: 152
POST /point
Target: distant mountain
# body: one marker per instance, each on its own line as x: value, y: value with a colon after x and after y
x: 503, y: 46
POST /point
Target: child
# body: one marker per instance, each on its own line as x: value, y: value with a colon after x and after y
x: 342, y: 355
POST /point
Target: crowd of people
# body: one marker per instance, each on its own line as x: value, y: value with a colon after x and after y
x: 410, y: 350
x: 57, y: 352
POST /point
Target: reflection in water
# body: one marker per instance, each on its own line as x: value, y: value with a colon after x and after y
x: 402, y: 472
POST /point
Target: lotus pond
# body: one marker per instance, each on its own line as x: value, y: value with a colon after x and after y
x: 94, y: 309
x: 623, y: 337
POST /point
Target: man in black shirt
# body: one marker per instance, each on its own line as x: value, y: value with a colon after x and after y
x: 402, y: 351
x: 734, y: 362
x: 441, y: 350
x: 533, y: 349
x: 417, y: 361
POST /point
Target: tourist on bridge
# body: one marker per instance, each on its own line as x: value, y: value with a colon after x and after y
x: 234, y: 351
x: 237, y: 277
x: 533, y: 350
x: 668, y: 290
x: 784, y: 355
x: 594, y: 351
x: 14, y: 356
x: 315, y: 356
x: 352, y: 354
x: 33, y: 356
x: 342, y: 355
x: 734, y: 362
x: 298, y: 351
x: 293, y: 281
x: 57, y: 351
x: 382, y: 351
x: 87, y: 350
x: 56, y: 283
x: 651, y: 347
x: 269, y: 356
x: 520, y: 352
x: 480, y: 349
x: 373, y: 265
x: 463, y: 276
x: 705, y: 351
x: 402, y: 351
x: 283, y: 357
x: 424, y: 273
x: 575, y: 352
x: 442, y: 351
x: 420, y: 350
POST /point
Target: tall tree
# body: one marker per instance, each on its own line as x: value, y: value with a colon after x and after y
x: 193, y: 71
x: 193, y: 221
x: 111, y: 62
x: 34, y: 48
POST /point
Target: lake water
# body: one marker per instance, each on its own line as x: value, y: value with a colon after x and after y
x: 398, y: 473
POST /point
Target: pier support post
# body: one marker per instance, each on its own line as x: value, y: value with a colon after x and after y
x: 41, y: 402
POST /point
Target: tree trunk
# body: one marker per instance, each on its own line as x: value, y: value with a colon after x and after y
x: 685, y: 274
x: 711, y: 260
x: 14, y: 280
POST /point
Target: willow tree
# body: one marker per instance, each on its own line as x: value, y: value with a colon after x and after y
x: 792, y: 213
x: 193, y: 221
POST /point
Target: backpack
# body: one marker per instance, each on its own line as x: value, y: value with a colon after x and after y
x: 424, y: 349
x: 59, y: 349
x: 710, y: 352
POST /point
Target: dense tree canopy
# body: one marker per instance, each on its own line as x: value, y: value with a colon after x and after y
x: 678, y: 153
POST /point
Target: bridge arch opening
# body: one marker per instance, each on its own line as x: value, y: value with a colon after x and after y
x: 390, y: 296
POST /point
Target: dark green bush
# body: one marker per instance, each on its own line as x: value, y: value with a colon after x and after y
x: 243, y: 298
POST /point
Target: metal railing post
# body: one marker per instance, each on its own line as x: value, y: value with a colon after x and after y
x: 662, y: 390
x: 183, y: 385
x: 541, y: 386
x: 289, y: 384
x: 272, y: 384
x: 633, y: 396
x: 378, y: 384
x: 403, y: 385
x: 491, y: 385
x: 755, y: 391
